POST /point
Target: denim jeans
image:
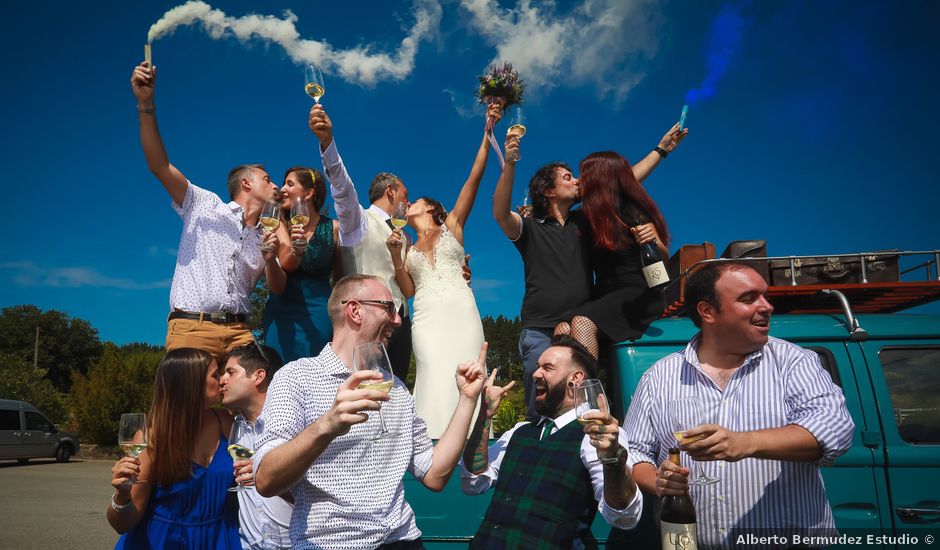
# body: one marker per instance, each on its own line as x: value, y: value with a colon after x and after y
x: 532, y: 343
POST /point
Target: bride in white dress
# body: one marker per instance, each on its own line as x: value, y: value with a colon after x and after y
x: 446, y: 329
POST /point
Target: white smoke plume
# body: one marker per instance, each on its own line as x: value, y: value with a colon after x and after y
x: 605, y: 43
x: 359, y: 64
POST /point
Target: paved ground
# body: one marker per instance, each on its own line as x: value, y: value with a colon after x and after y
x: 46, y: 505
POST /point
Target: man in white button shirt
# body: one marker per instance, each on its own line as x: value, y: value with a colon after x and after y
x: 222, y: 252
x: 318, y: 442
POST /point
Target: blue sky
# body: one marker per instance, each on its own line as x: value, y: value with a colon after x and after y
x: 815, y: 126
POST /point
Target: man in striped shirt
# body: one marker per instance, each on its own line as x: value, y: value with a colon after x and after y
x: 772, y: 416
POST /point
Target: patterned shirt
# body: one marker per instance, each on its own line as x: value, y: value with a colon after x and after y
x: 352, y: 496
x: 219, y: 259
x: 623, y: 519
x: 778, y: 385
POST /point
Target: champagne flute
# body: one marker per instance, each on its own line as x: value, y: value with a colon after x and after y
x: 132, y: 437
x: 313, y: 82
x: 686, y: 413
x: 372, y: 356
x: 241, y: 444
x: 299, y: 215
x: 517, y: 127
x: 589, y: 396
x: 400, y: 215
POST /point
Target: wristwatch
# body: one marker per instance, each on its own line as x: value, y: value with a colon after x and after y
x: 619, y: 457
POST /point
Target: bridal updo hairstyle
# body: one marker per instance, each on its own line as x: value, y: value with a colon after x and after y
x: 436, y: 209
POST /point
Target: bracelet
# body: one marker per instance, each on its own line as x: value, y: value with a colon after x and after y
x: 399, y: 268
x: 148, y: 110
x: 119, y: 507
x: 662, y: 152
x: 294, y: 253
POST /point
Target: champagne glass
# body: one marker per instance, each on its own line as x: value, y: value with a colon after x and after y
x: 132, y: 437
x: 589, y: 396
x: 241, y: 444
x: 270, y: 219
x: 686, y: 413
x: 313, y: 82
x: 299, y: 215
x: 400, y: 215
x: 517, y: 127
x: 372, y: 356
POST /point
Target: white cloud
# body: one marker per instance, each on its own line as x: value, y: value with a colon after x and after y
x: 358, y: 64
x: 604, y: 43
x: 466, y: 105
x: 27, y: 273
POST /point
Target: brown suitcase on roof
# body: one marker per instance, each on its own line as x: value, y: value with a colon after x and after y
x: 684, y: 258
x: 752, y: 249
x: 835, y: 270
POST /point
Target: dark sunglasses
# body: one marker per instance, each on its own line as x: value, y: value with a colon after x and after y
x: 387, y: 304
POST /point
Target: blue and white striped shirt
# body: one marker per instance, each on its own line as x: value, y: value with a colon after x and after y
x: 779, y: 384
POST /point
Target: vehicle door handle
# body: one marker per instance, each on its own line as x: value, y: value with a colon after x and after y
x: 907, y: 512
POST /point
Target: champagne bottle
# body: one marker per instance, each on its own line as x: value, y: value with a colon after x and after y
x: 677, y: 517
x: 654, y: 270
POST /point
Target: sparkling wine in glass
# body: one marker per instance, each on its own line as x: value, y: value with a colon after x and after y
x: 299, y: 215
x: 400, y: 215
x: 132, y: 437
x: 313, y: 82
x: 517, y: 127
x: 372, y: 356
x: 686, y: 413
x: 270, y: 219
x: 241, y: 444
x: 589, y: 396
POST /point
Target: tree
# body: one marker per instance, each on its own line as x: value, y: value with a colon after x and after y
x: 20, y: 380
x: 258, y: 297
x: 66, y: 345
x: 117, y: 383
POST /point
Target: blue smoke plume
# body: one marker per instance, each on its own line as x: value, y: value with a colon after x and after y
x: 721, y: 46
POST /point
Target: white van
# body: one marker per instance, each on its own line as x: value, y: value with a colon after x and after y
x: 26, y: 433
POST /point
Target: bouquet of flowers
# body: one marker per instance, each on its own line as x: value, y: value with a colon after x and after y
x: 501, y: 82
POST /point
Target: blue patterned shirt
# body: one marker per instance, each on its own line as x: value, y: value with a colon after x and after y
x: 778, y: 385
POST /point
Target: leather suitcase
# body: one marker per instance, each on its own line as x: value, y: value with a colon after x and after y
x: 835, y: 270
x: 753, y: 249
x: 683, y: 259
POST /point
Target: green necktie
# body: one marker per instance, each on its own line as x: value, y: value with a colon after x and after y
x: 547, y: 429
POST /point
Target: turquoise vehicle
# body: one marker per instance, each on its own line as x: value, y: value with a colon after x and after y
x: 888, y: 366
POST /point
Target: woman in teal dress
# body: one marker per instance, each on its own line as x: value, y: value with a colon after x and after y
x: 182, y: 501
x: 296, y: 322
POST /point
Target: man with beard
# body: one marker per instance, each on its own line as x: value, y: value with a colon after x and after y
x: 551, y: 241
x: 769, y: 411
x: 318, y: 440
x: 551, y: 477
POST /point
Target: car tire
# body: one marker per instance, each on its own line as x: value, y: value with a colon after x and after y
x: 63, y: 453
x: 23, y: 460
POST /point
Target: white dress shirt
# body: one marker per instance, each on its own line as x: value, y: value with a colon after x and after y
x: 623, y: 519
x: 219, y: 259
x: 351, y: 215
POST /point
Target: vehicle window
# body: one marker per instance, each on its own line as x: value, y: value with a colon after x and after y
x: 828, y: 363
x: 913, y: 379
x: 9, y: 420
x: 36, y: 421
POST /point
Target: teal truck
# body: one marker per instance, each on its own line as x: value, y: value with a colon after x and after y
x: 888, y: 365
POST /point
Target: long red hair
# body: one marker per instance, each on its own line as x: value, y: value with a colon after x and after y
x: 608, y: 186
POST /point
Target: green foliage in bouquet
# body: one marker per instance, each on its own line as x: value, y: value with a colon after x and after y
x: 501, y: 81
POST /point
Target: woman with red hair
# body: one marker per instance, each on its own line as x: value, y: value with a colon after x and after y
x: 622, y: 216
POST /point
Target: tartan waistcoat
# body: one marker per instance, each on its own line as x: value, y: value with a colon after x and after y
x: 543, y: 493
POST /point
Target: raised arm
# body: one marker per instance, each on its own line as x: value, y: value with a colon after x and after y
x: 352, y: 219
x: 476, y: 451
x: 457, y: 217
x: 143, y: 81
x: 668, y: 144
x: 509, y: 221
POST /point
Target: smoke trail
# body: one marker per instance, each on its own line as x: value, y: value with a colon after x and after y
x: 722, y: 46
x: 357, y: 64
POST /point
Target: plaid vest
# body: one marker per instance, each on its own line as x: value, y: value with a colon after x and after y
x: 542, y: 495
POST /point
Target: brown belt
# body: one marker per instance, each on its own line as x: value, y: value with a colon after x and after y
x: 219, y: 317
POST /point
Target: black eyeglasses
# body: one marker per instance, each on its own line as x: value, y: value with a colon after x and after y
x: 387, y: 304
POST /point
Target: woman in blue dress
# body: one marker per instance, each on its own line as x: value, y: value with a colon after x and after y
x: 296, y: 322
x: 182, y: 501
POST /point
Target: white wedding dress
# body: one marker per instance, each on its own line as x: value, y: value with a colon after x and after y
x: 446, y: 328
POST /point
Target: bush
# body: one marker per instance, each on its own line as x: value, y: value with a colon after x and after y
x: 511, y: 410
x: 121, y: 381
x: 20, y: 380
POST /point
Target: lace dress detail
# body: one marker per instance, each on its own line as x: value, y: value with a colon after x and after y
x: 446, y: 328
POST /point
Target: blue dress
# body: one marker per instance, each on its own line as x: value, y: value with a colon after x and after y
x: 296, y: 322
x: 194, y: 514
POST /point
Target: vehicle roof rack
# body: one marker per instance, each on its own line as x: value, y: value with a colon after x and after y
x: 864, y: 297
